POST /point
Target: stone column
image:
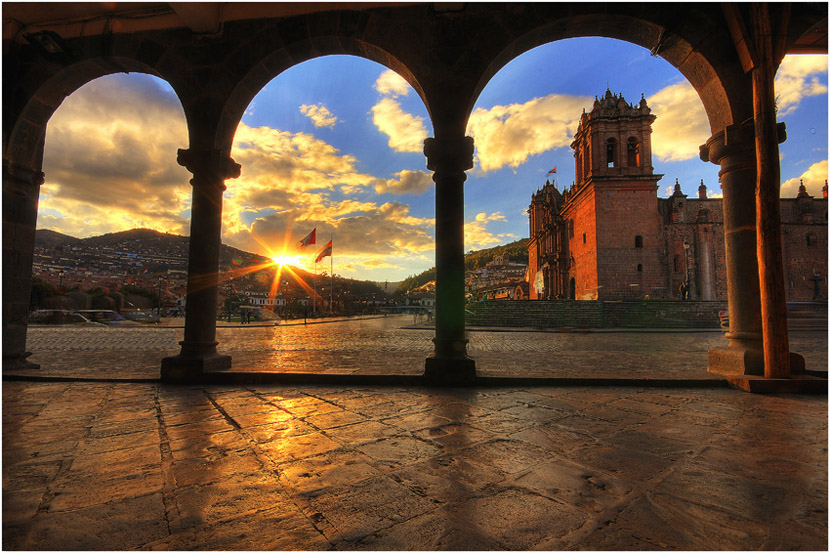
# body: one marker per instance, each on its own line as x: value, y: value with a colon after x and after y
x: 210, y: 169
x: 449, y: 158
x: 21, y: 188
x: 734, y: 150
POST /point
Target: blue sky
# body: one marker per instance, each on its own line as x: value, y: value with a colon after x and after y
x: 336, y: 144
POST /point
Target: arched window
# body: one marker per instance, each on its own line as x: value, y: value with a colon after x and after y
x: 640, y: 268
x: 676, y: 263
x: 633, y: 152
x: 811, y: 239
x: 611, y: 152
x: 638, y: 241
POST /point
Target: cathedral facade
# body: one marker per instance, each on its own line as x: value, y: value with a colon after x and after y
x: 610, y: 237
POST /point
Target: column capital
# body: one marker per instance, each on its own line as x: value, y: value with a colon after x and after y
x: 449, y: 154
x: 729, y: 141
x: 734, y: 139
x: 208, y: 166
x: 22, y: 175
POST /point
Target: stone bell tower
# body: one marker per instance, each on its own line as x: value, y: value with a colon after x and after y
x: 611, y: 211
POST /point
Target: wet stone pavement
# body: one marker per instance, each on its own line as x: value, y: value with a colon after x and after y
x: 130, y: 465
x: 146, y: 466
x: 387, y: 346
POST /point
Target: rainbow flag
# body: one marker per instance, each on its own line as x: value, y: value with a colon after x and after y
x: 326, y: 251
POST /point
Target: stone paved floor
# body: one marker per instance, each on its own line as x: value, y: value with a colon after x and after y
x: 118, y: 465
x: 149, y: 466
x: 342, y: 347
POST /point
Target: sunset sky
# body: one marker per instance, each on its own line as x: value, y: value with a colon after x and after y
x: 336, y: 143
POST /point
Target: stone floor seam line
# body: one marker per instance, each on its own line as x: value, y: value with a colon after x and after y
x: 168, y: 496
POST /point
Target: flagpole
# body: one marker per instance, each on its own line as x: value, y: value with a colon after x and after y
x: 331, y: 274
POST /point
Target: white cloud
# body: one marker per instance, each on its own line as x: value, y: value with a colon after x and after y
x: 110, y: 159
x: 508, y: 135
x: 813, y: 178
x: 406, y: 131
x: 407, y: 182
x: 681, y: 125
x: 391, y: 84
x: 274, y: 159
x: 289, y: 185
x: 477, y: 236
x: 797, y: 78
x: 319, y: 115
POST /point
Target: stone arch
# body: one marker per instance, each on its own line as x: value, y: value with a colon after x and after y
x: 723, y: 88
x: 286, y: 57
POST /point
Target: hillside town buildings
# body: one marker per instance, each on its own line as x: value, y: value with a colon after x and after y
x: 497, y: 280
x: 610, y: 237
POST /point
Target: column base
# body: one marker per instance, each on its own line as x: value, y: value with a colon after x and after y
x: 796, y: 385
x: 18, y: 361
x: 188, y: 369
x: 450, y: 371
x: 746, y: 361
x: 736, y: 361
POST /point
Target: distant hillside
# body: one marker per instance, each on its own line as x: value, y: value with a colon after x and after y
x: 52, y: 239
x: 474, y: 260
x: 516, y: 250
x: 141, y: 240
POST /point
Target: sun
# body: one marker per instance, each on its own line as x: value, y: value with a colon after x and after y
x: 283, y: 259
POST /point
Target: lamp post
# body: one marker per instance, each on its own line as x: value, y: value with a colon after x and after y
x: 686, y: 251
x: 158, y: 303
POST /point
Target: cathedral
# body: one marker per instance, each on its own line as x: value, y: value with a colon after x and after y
x: 609, y: 236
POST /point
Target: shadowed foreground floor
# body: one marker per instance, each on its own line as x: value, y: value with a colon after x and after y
x: 149, y: 466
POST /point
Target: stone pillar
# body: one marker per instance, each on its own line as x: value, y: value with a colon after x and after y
x: 210, y: 169
x: 734, y: 150
x: 21, y: 188
x: 449, y: 158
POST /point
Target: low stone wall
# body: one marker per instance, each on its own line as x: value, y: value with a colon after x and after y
x: 596, y: 314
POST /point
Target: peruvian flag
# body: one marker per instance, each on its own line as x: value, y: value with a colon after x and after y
x: 326, y: 251
x: 310, y: 239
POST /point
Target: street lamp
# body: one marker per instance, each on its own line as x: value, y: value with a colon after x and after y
x: 686, y: 287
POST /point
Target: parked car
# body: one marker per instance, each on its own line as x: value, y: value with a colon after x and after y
x: 107, y: 317
x: 140, y: 316
x: 59, y: 317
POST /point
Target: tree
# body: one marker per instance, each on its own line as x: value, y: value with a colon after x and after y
x: 232, y: 303
x: 40, y: 291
